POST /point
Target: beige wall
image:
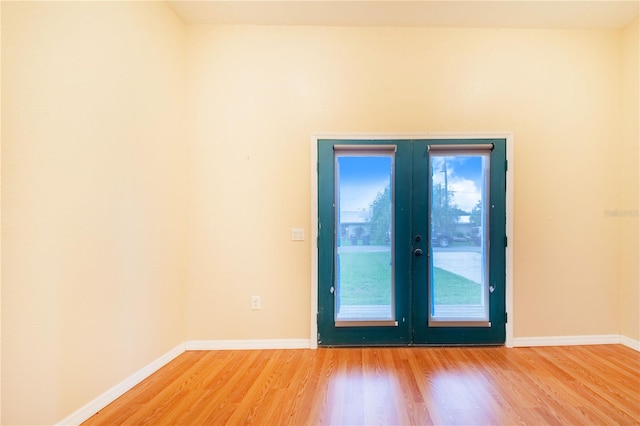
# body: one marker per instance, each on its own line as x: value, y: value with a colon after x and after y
x: 94, y: 190
x: 629, y: 186
x: 151, y: 175
x: 0, y: 217
x: 256, y: 94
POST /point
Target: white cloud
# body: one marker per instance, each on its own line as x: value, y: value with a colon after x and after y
x: 465, y: 193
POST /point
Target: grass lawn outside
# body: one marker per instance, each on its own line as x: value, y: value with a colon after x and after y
x: 365, y: 279
x: 452, y: 289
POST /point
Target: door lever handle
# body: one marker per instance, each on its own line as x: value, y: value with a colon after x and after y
x: 418, y: 252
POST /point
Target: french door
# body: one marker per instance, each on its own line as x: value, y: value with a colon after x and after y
x: 411, y: 238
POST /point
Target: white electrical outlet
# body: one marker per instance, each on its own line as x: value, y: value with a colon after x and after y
x: 255, y: 303
x: 297, y: 234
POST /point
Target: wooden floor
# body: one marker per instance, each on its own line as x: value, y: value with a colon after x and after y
x: 575, y: 385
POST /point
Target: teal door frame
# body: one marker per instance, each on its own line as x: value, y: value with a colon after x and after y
x: 496, y: 333
x: 402, y: 335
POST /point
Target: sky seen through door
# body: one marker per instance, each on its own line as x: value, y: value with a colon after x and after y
x: 362, y: 178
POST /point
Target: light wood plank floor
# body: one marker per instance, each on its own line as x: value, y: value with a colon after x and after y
x: 576, y: 385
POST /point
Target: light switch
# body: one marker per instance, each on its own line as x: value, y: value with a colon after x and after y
x: 297, y: 234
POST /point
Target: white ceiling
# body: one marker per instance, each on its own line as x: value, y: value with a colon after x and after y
x: 571, y: 14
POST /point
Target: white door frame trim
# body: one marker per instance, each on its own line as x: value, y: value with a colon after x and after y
x: 508, y: 136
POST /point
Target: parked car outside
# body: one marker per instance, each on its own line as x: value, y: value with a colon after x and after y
x: 441, y: 239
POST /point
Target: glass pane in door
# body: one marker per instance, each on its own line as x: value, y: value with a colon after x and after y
x: 364, y: 282
x: 459, y: 290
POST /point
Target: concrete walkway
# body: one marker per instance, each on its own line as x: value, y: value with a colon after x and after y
x: 466, y: 264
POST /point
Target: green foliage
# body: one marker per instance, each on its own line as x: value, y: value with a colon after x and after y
x: 444, y: 212
x: 476, y: 214
x: 381, y: 217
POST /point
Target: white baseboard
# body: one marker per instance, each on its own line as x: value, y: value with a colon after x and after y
x: 118, y: 390
x: 217, y: 345
x: 599, y: 339
x: 630, y: 343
